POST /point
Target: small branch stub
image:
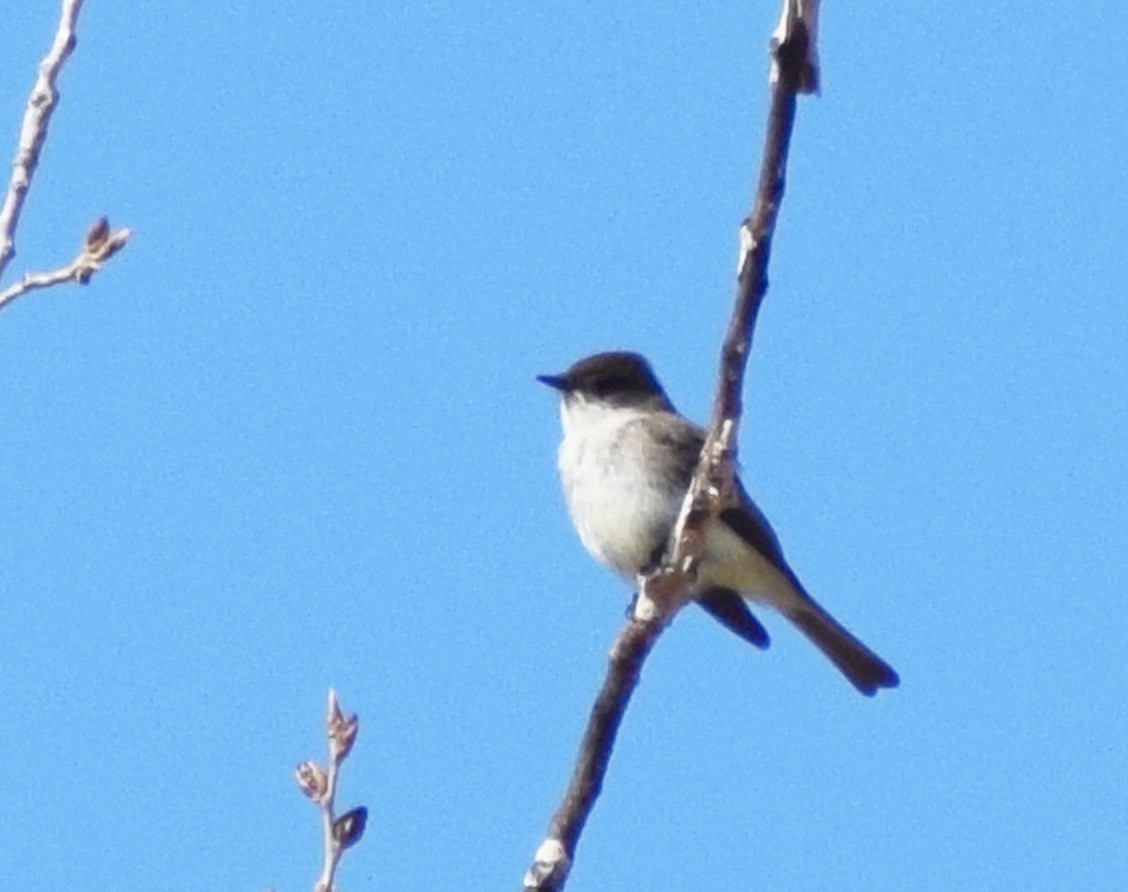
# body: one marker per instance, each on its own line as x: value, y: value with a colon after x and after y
x: 550, y: 867
x: 797, y: 35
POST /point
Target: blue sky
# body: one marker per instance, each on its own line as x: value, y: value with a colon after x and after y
x: 290, y: 438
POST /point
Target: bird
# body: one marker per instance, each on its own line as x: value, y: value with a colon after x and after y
x: 625, y: 463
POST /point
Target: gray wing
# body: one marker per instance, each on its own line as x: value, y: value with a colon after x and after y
x: 749, y: 523
x: 684, y: 441
x: 744, y: 518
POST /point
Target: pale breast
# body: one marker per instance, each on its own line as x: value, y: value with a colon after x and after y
x: 619, y: 514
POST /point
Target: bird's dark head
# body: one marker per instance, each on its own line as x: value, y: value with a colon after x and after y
x: 617, y: 380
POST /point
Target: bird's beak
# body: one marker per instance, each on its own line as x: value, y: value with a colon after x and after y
x: 556, y: 382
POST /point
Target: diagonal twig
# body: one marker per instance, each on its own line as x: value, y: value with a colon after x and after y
x: 794, y: 70
x: 99, y: 246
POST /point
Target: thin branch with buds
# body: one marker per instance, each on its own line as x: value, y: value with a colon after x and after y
x: 99, y: 244
x: 794, y: 70
x: 320, y: 785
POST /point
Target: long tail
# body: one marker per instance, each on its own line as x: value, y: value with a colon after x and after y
x: 756, y: 565
x: 865, y: 670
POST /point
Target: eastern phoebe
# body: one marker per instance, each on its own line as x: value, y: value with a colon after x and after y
x: 625, y: 464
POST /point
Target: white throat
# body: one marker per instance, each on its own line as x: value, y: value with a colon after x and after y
x: 581, y: 417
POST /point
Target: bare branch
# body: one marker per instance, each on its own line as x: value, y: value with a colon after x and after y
x: 320, y: 785
x: 98, y: 246
x: 40, y: 105
x: 794, y: 70
x: 553, y: 858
